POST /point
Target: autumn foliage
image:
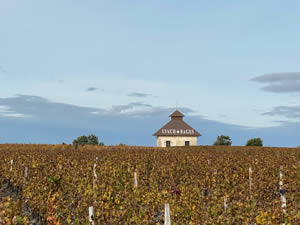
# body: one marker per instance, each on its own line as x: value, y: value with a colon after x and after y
x: 194, y: 181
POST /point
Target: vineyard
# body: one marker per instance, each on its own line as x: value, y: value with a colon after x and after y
x: 58, y: 184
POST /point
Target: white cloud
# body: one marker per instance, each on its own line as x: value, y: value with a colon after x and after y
x: 95, y: 113
x: 5, y: 111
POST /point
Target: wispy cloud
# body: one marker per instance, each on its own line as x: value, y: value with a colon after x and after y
x: 92, y: 89
x: 280, y: 82
x: 292, y: 112
x: 129, y: 106
x: 41, y: 109
x: 139, y: 95
x: 5, y: 111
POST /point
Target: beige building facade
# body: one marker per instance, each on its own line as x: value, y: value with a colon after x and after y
x: 176, y: 133
x: 162, y: 141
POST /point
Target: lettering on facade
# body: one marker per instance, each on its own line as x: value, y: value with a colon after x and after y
x: 178, y: 131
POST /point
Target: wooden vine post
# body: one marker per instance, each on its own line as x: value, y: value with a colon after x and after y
x: 25, y: 174
x: 95, y: 174
x: 91, y: 215
x: 225, y: 204
x: 167, y: 215
x: 282, y: 191
x: 91, y: 208
x: 250, y: 180
x: 135, y: 183
x: 208, y: 161
x: 11, y: 165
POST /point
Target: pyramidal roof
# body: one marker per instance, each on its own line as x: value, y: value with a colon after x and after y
x: 176, y: 114
x: 177, y: 127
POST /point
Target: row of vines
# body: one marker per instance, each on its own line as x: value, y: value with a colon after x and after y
x: 202, y: 185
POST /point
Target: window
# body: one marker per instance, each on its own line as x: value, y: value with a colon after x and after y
x: 168, y: 143
x: 187, y: 143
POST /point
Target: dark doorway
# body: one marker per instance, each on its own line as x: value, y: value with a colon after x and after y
x: 187, y: 143
x: 168, y: 143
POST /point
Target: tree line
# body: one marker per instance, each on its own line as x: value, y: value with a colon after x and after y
x: 221, y: 140
x: 225, y: 140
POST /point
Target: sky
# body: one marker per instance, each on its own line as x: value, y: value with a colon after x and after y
x: 118, y: 69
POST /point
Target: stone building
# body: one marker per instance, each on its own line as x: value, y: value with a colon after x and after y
x: 176, y: 132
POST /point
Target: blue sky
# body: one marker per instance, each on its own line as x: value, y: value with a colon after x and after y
x: 117, y: 69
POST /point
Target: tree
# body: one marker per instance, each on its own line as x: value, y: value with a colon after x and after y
x: 223, y: 140
x: 92, y: 139
x: 87, y: 140
x: 254, y: 142
x: 82, y: 140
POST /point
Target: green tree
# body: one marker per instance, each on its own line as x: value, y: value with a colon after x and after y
x: 93, y: 139
x: 223, y: 140
x: 82, y: 140
x: 87, y: 140
x: 254, y: 142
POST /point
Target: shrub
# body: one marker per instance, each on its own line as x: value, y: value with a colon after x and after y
x: 254, y: 142
x: 223, y: 140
